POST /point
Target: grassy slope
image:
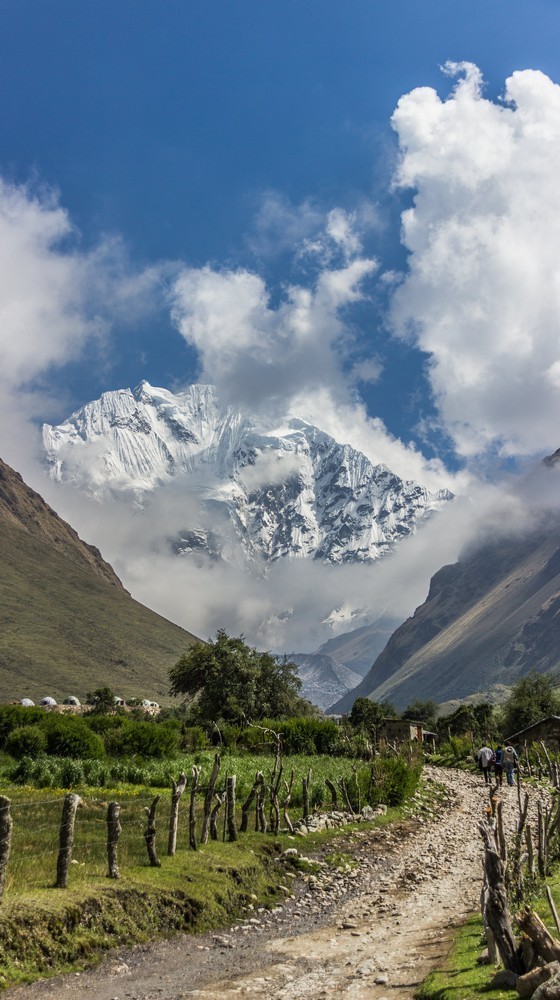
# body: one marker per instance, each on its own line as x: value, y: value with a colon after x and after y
x: 66, y: 630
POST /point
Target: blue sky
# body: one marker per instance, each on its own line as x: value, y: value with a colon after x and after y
x: 175, y: 127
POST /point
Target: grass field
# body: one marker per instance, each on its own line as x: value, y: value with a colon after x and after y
x: 44, y: 930
x: 461, y: 978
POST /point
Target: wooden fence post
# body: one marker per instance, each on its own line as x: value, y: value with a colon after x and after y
x: 496, y: 909
x: 177, y: 789
x: 541, y: 840
x: 502, y: 843
x: 274, y: 802
x: 261, y: 823
x: 66, y: 841
x: 334, y: 794
x: 208, y: 799
x: 114, y: 830
x: 5, y: 839
x: 345, y: 795
x: 288, y: 785
x: 192, y: 808
x: 249, y: 802
x: 150, y: 834
x: 530, y: 853
x: 220, y: 799
x: 232, y: 828
x: 306, y: 782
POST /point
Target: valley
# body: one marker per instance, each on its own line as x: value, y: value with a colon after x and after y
x: 358, y: 936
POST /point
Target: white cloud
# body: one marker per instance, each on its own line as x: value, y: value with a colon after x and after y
x: 41, y: 286
x: 482, y: 291
x: 270, y: 468
x: 56, y: 298
x: 259, y: 355
x: 308, y: 230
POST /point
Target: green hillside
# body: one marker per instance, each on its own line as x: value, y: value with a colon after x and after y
x: 67, y: 625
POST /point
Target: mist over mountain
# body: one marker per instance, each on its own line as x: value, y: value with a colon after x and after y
x: 324, y: 679
x: 489, y: 618
x: 217, y: 517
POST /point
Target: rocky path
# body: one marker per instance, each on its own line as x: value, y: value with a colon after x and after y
x: 374, y: 930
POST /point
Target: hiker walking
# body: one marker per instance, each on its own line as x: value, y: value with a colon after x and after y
x: 499, y: 765
x: 509, y: 760
x: 485, y: 757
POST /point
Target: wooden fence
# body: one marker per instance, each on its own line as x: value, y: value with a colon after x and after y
x: 213, y: 813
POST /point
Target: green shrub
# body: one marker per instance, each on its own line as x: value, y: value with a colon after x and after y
x: 70, y: 774
x: 16, y: 716
x: 143, y: 739
x: 68, y: 736
x: 393, y: 780
x: 193, y: 738
x: 26, y: 741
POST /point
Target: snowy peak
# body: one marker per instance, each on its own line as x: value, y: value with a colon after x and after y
x: 287, y: 491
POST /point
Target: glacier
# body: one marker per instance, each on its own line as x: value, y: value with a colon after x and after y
x: 256, y: 492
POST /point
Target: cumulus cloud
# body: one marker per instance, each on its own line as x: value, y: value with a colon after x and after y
x: 56, y: 299
x: 481, y: 294
x: 260, y: 355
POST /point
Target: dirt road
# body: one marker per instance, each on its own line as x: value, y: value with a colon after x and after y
x: 374, y: 931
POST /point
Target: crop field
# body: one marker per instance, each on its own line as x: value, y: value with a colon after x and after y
x: 61, y: 772
x: 36, y: 812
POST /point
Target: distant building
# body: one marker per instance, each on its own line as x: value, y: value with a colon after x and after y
x: 401, y: 730
x: 546, y: 730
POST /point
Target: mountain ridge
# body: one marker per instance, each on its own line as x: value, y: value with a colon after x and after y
x: 67, y: 624
x: 487, y: 620
x: 274, y: 492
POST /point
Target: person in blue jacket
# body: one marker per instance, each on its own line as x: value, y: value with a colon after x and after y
x: 499, y: 765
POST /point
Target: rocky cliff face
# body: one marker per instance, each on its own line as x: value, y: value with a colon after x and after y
x: 288, y: 491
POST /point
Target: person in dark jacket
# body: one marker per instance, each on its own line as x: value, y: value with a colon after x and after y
x: 499, y: 765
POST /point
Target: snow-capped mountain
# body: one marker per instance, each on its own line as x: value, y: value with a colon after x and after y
x: 290, y: 490
x: 324, y: 680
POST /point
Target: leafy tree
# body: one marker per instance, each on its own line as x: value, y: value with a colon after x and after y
x: 367, y: 714
x: 477, y: 719
x: 232, y: 681
x: 422, y: 711
x: 532, y: 698
x: 102, y: 699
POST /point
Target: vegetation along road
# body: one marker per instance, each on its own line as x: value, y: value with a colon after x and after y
x: 374, y: 927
